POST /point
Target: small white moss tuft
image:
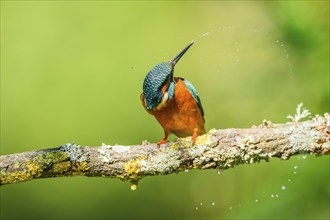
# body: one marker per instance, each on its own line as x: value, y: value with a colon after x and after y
x: 300, y: 113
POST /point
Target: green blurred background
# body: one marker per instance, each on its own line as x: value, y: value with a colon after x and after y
x: 73, y: 71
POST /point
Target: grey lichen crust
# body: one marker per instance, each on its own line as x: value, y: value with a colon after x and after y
x: 166, y: 161
x: 217, y: 149
x: 74, y: 151
x: 303, y: 137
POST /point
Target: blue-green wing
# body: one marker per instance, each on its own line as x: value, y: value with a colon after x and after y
x: 194, y: 93
x: 171, y: 90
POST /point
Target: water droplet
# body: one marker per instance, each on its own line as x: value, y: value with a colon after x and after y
x: 304, y: 157
x: 203, y: 34
x: 295, y: 167
x: 283, y: 188
x: 218, y: 172
x: 276, y: 195
x: 230, y: 208
x: 295, y: 172
x: 282, y: 45
x: 133, y: 187
x: 284, y: 51
x: 277, y: 41
x: 213, y: 203
x: 256, y: 200
x: 196, y: 208
x: 289, y: 180
x: 201, y: 203
x: 272, y: 195
x: 186, y: 171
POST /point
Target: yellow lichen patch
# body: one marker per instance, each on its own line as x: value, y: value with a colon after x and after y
x: 61, y: 167
x: 58, y: 161
x: 16, y: 165
x: 14, y: 177
x: 51, y: 158
x: 185, y: 142
x: 196, y: 166
x: 33, y: 169
x: 132, y: 168
x: 175, y: 146
x: 205, y: 139
x: 142, y: 157
x: 80, y: 168
x: 30, y: 171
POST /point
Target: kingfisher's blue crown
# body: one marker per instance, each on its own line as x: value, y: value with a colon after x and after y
x: 154, y: 82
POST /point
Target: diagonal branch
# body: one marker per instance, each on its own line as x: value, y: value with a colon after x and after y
x: 218, y: 149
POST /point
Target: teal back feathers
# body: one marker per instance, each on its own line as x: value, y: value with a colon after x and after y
x: 194, y: 93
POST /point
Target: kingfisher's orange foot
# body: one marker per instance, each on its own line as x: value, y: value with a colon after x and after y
x: 164, y: 140
x: 194, y: 136
x: 161, y: 142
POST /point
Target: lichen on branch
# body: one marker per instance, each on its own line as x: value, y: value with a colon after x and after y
x: 217, y: 149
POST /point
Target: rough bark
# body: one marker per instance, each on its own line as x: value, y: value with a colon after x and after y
x: 218, y: 149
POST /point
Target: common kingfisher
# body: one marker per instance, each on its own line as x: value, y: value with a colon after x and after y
x: 173, y: 101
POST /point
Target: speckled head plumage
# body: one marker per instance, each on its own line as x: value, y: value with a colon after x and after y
x: 157, y: 77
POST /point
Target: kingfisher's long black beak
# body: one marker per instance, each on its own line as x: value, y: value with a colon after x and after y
x: 177, y: 58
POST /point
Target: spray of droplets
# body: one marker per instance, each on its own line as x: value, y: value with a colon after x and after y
x: 284, y: 47
x: 201, y: 204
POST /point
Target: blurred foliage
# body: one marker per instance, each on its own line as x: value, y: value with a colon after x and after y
x: 73, y: 71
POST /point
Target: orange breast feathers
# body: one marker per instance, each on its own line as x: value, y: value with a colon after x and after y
x: 181, y: 115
